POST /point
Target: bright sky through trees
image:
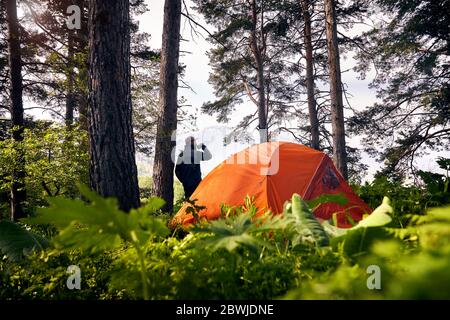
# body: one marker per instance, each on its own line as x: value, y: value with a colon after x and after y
x: 194, y: 50
x: 196, y: 76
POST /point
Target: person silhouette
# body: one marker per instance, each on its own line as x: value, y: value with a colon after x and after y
x: 187, y: 168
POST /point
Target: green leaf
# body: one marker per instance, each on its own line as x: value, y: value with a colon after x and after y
x: 439, y: 214
x: 154, y: 204
x: 379, y: 217
x: 99, y: 225
x: 16, y: 242
x: 142, y: 225
x: 332, y: 230
x: 305, y: 225
x: 327, y: 198
x: 358, y: 239
x: 229, y: 234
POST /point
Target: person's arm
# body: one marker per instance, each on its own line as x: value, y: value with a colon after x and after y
x: 206, y: 154
x: 179, y: 159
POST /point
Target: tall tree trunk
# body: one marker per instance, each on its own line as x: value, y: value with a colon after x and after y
x: 312, y: 110
x: 113, y: 171
x: 18, y: 194
x: 70, y: 94
x: 337, y: 105
x: 256, y: 51
x: 167, y: 122
x: 82, y: 36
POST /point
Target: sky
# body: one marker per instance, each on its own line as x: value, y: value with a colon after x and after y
x: 197, y: 73
x: 208, y: 130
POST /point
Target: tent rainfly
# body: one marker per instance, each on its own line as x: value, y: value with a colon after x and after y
x: 271, y: 172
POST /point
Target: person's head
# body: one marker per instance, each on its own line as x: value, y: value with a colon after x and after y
x: 190, y: 141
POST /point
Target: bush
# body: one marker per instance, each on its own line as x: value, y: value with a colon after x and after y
x: 432, y: 191
x: 414, y: 264
x: 241, y: 256
x: 56, y: 159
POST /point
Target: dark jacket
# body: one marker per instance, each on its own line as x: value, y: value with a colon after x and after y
x: 187, y: 168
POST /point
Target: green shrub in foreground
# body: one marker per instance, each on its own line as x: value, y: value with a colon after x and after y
x: 133, y: 256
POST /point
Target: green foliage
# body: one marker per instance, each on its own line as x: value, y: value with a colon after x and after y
x: 243, y: 255
x: 436, y: 184
x: 146, y: 184
x: 409, y: 50
x: 56, y: 159
x: 193, y: 208
x: 432, y: 191
x: 101, y: 226
x: 239, y: 256
x: 304, y: 224
x: 235, y: 68
x: 326, y: 198
x: 414, y: 264
x: 356, y: 240
x: 240, y: 227
x: 16, y: 241
x: 378, y: 218
x: 43, y: 275
x: 231, y: 234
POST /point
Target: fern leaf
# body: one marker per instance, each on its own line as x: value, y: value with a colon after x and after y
x: 16, y: 242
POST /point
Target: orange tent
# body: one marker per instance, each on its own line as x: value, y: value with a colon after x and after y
x: 271, y: 172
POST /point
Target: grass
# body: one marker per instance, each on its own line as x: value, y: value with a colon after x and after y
x: 145, y: 186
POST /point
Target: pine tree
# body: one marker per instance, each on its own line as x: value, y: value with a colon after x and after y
x: 252, y: 61
x: 410, y: 49
x: 113, y: 171
x: 310, y: 83
x: 168, y: 104
x: 337, y: 105
x: 18, y: 194
x: 4, y: 82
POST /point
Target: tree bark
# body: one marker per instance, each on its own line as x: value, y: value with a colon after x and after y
x: 337, y: 105
x: 70, y: 94
x: 256, y: 51
x: 167, y: 123
x: 18, y: 194
x: 113, y: 171
x: 82, y: 36
x: 312, y: 110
